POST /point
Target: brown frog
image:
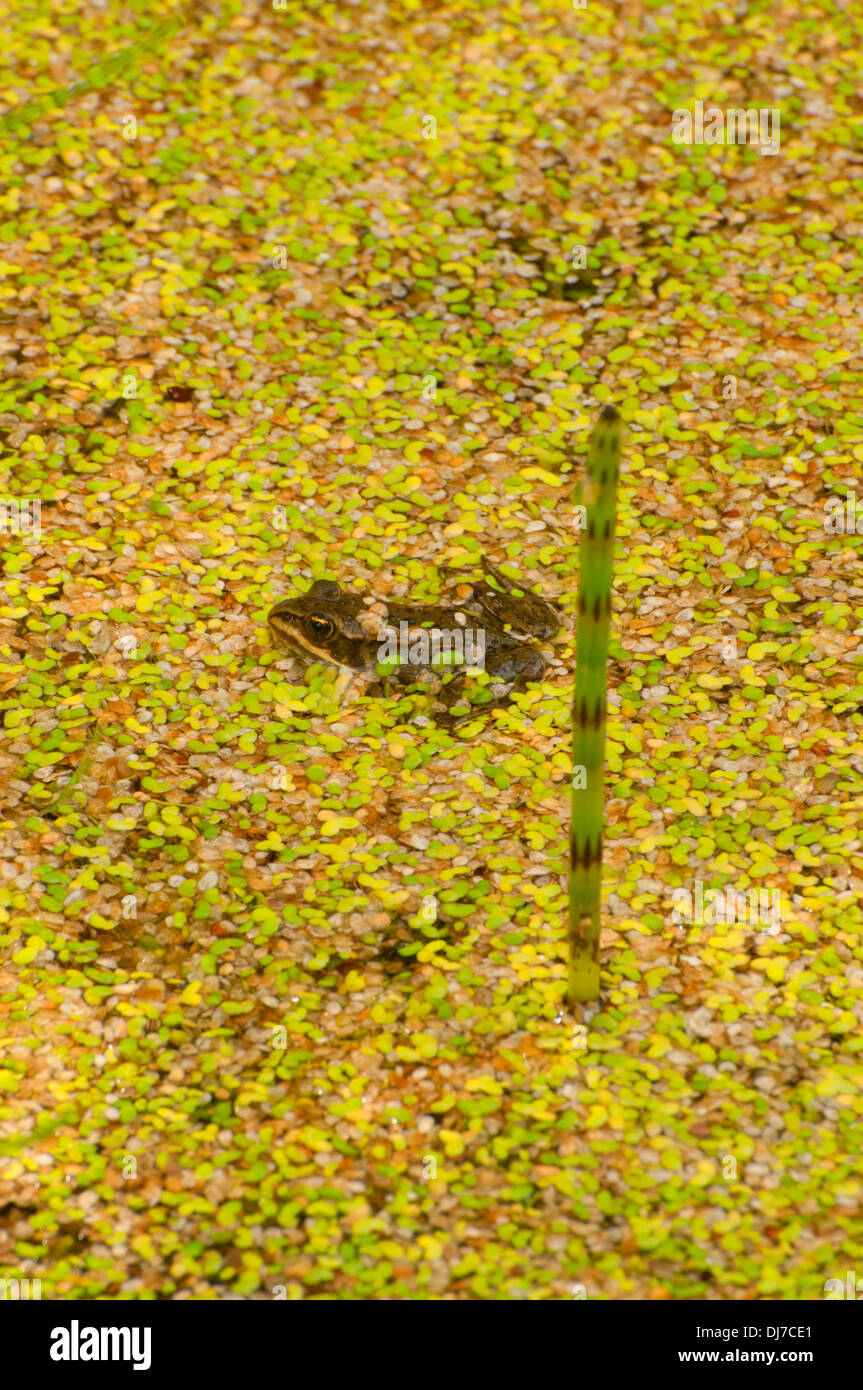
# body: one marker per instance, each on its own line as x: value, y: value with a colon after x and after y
x: 490, y: 628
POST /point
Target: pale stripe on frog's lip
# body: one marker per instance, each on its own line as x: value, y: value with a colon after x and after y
x: 304, y: 651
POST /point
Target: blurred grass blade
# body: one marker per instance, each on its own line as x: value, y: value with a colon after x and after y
x: 100, y: 75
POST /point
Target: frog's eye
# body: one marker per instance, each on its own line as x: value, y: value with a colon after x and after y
x: 320, y: 628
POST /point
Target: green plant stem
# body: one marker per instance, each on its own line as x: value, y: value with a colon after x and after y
x: 589, y: 708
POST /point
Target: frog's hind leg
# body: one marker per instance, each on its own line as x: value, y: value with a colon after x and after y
x: 533, y: 614
x: 531, y: 668
x: 488, y: 568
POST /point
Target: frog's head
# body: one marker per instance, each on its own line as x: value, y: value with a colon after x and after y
x: 322, y: 625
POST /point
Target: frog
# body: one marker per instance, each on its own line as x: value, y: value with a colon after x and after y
x: 493, y: 626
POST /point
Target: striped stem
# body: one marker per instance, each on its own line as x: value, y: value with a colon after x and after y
x: 588, y: 709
